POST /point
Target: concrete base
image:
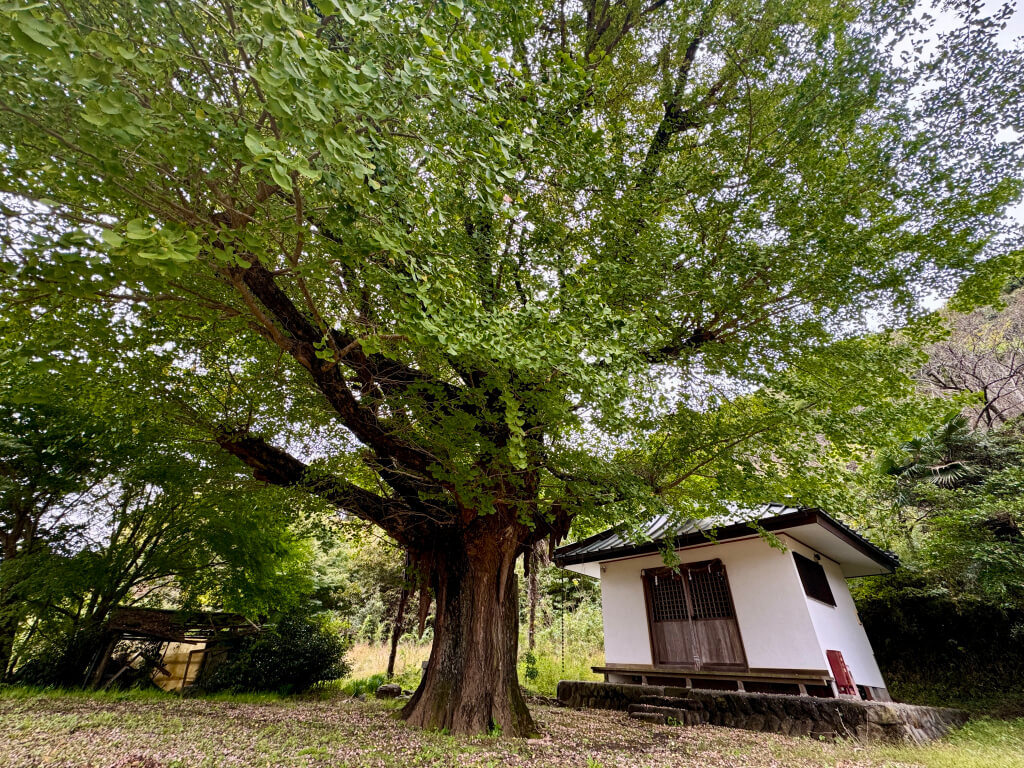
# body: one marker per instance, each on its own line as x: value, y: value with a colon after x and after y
x: 789, y: 715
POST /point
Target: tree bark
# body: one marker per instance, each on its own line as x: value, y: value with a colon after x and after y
x: 471, y: 684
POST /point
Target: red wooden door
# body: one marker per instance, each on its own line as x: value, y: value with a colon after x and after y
x: 841, y: 673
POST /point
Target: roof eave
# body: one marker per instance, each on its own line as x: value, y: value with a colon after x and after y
x: 803, y: 516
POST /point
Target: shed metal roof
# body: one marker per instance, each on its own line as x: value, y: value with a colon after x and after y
x: 175, y: 626
x: 614, y: 543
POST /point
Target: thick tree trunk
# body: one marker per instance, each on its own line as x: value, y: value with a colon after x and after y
x: 471, y: 684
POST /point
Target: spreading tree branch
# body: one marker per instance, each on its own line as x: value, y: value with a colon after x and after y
x: 270, y: 464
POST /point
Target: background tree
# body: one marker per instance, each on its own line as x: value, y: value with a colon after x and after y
x: 948, y: 502
x: 106, y: 502
x: 983, y: 355
x: 113, y: 509
x: 361, y: 577
x: 948, y: 474
x: 950, y: 505
x: 450, y: 266
x: 54, y: 458
x: 172, y: 536
x: 536, y: 559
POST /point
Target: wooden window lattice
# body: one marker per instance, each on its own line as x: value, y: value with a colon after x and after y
x: 709, y: 594
x: 668, y: 598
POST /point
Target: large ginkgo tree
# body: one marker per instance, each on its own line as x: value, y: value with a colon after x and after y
x: 474, y: 269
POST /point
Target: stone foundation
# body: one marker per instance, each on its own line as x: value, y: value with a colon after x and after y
x: 789, y: 715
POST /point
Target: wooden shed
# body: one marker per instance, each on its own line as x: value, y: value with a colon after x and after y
x: 188, y: 643
x: 737, y: 613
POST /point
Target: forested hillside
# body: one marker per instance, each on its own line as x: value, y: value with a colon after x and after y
x: 948, y: 627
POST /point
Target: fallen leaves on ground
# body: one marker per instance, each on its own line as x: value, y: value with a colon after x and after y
x: 77, y: 730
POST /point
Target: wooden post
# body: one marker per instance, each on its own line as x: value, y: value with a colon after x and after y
x: 188, y: 663
x: 108, y: 648
x: 127, y: 665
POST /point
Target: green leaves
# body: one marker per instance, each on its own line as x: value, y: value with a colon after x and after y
x: 111, y: 238
x: 256, y: 145
x: 516, y: 446
x: 281, y: 178
x: 370, y: 345
x: 323, y: 350
x: 29, y: 31
x: 556, y: 251
x: 138, y: 230
x: 166, y: 250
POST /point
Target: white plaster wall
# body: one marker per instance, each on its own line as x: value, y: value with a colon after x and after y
x: 625, y: 612
x: 771, y: 609
x: 839, y: 628
x: 770, y: 606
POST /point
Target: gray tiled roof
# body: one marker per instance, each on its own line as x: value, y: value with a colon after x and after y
x: 615, y: 542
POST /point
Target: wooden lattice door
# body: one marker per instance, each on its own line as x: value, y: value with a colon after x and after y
x: 668, y: 612
x: 691, y: 617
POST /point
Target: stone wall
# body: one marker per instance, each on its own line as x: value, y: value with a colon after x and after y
x: 790, y: 715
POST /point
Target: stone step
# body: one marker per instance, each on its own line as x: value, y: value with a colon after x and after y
x: 772, y: 713
x: 675, y: 702
x: 668, y: 714
x: 649, y: 717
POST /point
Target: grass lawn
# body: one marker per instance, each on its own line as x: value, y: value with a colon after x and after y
x: 142, y: 730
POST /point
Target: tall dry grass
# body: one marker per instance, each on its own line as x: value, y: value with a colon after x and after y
x: 367, y: 660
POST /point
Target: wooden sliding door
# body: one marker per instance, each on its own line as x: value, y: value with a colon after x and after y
x: 668, y: 613
x: 691, y: 617
x: 713, y: 617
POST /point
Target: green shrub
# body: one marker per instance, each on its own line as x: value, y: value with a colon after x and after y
x: 383, y: 635
x: 530, y: 671
x: 365, y: 685
x: 296, y: 654
x: 932, y: 650
x: 368, y: 630
x: 414, y: 638
x: 60, y: 659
